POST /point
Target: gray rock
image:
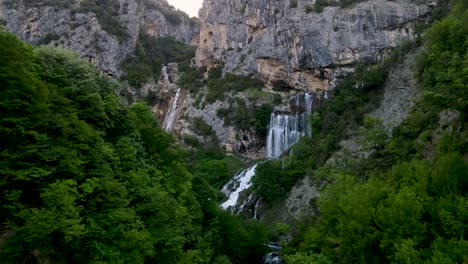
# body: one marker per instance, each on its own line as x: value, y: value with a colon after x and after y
x: 82, y: 32
x: 401, y: 91
x: 275, y: 42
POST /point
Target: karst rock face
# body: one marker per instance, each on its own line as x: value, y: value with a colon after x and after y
x: 280, y: 42
x: 68, y: 24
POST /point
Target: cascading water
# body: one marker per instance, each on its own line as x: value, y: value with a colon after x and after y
x: 286, y: 129
x: 165, y: 75
x: 240, y: 182
x: 171, y: 115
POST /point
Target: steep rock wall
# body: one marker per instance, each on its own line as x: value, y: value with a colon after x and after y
x: 308, y: 51
x: 74, y: 29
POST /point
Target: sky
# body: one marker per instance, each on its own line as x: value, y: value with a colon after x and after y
x: 188, y: 6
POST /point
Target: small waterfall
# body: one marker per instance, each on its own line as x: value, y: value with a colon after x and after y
x: 286, y: 129
x: 171, y: 115
x: 241, y: 182
x: 165, y: 75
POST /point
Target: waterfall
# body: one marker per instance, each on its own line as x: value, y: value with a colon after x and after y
x: 286, y: 129
x: 241, y: 182
x: 171, y: 115
x: 165, y: 75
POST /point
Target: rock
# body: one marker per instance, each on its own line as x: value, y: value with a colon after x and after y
x: 401, y: 91
x: 301, y: 199
x: 308, y: 51
x: 82, y: 32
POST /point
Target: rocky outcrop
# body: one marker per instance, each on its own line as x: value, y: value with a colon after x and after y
x: 276, y: 41
x: 401, y: 92
x: 234, y: 140
x: 82, y: 30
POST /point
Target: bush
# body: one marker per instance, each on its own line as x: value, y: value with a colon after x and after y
x: 293, y: 3
x: 107, y: 13
x: 310, y: 9
x: 191, y: 79
x: 48, y: 38
x: 262, y: 118
x: 202, y: 128
x: 217, y: 87
x: 438, y: 66
x: 151, y: 53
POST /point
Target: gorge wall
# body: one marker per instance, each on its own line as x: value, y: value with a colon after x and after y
x: 104, y: 32
x: 287, y: 42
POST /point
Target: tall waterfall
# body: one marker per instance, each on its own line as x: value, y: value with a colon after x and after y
x: 171, y: 115
x: 286, y: 129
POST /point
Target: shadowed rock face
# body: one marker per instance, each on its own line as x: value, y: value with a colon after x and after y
x: 82, y: 32
x: 309, y: 52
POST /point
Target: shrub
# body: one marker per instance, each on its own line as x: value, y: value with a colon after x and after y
x: 107, y: 12
x: 202, y: 128
x: 151, y: 53
x: 293, y: 3
x: 310, y: 9
x: 49, y: 37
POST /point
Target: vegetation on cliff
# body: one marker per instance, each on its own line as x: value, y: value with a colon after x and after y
x: 406, y: 200
x: 86, y: 179
x: 150, y: 56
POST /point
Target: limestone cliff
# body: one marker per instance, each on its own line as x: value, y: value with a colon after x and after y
x: 103, y: 33
x: 289, y: 43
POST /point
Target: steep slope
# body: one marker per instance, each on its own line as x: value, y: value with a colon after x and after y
x: 104, y: 32
x: 290, y: 43
x: 87, y: 179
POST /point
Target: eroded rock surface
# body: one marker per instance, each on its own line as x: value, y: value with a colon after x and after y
x: 307, y: 51
x: 74, y: 29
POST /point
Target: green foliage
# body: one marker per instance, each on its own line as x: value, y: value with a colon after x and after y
x: 442, y: 66
x: 293, y: 3
x: 352, y: 98
x: 86, y: 179
x: 107, y: 12
x: 191, y: 79
x: 319, y: 5
x: 243, y: 117
x: 33, y: 3
x: 373, y: 134
x: 399, y: 212
x: 49, y: 37
x: 202, y: 128
x: 300, y: 258
x: 173, y: 16
x: 309, y: 8
x: 274, y: 179
x: 406, y: 201
x: 218, y: 86
x: 262, y: 118
x: 150, y: 56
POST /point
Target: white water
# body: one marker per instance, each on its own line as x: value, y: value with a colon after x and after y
x: 242, y: 181
x: 171, y: 115
x: 165, y: 75
x: 286, y: 129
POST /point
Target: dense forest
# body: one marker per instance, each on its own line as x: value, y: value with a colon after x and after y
x: 85, y: 178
